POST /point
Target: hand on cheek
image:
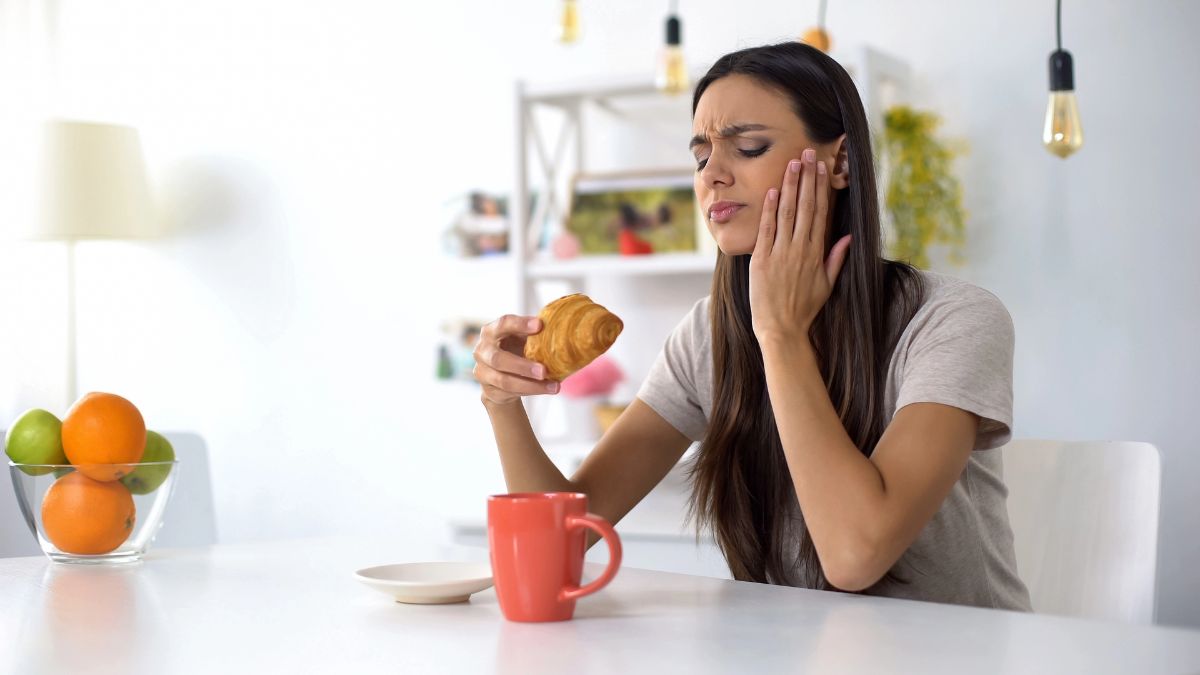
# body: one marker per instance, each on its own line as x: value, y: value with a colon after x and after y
x: 791, y: 278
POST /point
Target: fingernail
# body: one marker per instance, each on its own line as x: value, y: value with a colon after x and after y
x: 821, y: 168
x: 810, y: 155
x: 533, y: 324
x: 794, y: 166
x: 772, y: 194
x: 552, y: 387
x: 539, y: 372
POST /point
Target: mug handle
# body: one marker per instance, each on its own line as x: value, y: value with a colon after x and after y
x: 593, y: 522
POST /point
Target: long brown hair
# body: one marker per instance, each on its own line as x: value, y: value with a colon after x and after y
x: 741, y: 487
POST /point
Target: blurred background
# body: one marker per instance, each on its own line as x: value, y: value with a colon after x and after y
x: 308, y: 162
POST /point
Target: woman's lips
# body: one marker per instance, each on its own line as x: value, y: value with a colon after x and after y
x: 723, y: 212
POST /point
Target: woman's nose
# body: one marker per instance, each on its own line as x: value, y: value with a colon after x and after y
x: 715, y: 173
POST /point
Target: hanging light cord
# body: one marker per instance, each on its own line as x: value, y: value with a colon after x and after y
x: 1058, y: 22
x: 821, y: 15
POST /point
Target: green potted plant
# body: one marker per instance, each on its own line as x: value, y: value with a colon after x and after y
x: 923, y: 196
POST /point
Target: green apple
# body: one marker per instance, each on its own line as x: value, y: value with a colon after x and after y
x: 35, y: 438
x: 146, y: 479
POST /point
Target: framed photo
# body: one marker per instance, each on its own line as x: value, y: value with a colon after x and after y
x: 455, y: 355
x: 642, y: 212
x: 480, y: 226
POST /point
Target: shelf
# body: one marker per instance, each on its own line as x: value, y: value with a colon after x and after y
x: 483, y: 262
x: 559, y: 93
x: 613, y: 265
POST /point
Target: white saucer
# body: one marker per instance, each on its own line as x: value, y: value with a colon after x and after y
x: 428, y: 583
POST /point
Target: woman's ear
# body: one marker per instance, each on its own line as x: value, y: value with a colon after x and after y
x: 839, y: 178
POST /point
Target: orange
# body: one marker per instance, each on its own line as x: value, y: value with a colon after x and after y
x: 86, y: 516
x: 103, y: 429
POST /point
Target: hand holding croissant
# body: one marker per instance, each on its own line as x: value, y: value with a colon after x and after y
x: 576, y: 331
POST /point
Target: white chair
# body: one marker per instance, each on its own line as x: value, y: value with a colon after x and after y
x: 188, y: 521
x: 1084, y: 517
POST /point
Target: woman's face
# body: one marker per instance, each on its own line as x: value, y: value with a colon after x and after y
x: 744, y: 135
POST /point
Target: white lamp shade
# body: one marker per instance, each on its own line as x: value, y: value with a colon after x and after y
x: 92, y: 184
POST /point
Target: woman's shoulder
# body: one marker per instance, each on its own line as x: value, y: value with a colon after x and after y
x: 696, y: 320
x: 692, y: 332
x: 699, y: 309
x: 953, y: 302
x: 697, y: 324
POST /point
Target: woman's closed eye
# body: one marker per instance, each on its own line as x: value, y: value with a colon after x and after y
x: 752, y: 152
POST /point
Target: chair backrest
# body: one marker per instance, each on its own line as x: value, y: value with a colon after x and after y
x: 189, y: 520
x: 1084, y: 517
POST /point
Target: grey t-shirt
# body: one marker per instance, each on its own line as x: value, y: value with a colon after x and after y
x: 957, y: 351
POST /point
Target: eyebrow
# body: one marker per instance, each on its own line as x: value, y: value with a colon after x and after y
x: 731, y: 130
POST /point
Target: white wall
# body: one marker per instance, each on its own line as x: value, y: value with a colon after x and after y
x: 308, y: 147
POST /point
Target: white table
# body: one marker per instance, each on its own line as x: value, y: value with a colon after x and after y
x: 294, y: 607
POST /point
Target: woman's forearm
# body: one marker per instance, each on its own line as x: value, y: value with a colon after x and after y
x: 526, y: 466
x: 840, y: 491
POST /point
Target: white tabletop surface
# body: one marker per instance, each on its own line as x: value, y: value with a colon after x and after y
x: 295, y: 607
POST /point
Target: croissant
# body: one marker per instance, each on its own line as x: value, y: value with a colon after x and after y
x: 575, y: 331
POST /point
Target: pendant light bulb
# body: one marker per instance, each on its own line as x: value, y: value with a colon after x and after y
x: 568, y: 26
x: 672, y: 75
x: 1062, y: 133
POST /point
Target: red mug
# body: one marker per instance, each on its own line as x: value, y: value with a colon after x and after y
x: 537, y: 541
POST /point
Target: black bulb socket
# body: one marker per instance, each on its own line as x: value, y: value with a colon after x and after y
x: 674, y: 31
x: 1062, y: 71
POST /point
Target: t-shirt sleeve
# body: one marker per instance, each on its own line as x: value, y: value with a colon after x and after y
x: 670, y: 387
x: 961, y: 355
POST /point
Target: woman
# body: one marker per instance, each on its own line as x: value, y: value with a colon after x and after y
x: 848, y: 406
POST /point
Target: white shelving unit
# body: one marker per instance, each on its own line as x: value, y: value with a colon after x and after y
x: 572, y: 101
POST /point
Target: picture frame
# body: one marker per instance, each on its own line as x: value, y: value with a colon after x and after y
x: 634, y: 212
x: 479, y: 226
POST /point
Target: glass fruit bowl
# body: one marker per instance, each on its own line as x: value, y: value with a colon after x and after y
x: 94, y: 513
